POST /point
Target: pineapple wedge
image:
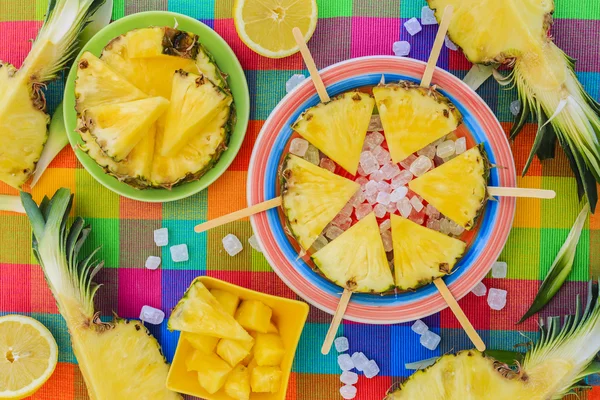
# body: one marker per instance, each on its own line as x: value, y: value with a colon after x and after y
x: 421, y: 254
x: 199, y: 312
x: 212, y: 370
x: 413, y: 117
x: 457, y: 188
x: 228, y: 301
x: 265, y: 379
x: 338, y: 128
x: 254, y: 315
x: 234, y: 351
x: 312, y: 197
x: 205, y: 344
x: 356, y: 260
x: 237, y: 385
x: 269, y: 349
x: 118, y: 128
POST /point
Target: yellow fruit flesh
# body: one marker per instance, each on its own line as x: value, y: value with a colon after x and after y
x: 265, y: 379
x: 269, y: 349
x: 421, y: 254
x: 356, y: 259
x: 205, y: 344
x: 237, y: 385
x: 457, y: 188
x: 338, y: 128
x: 413, y: 117
x: 145, y: 42
x: 234, y: 351
x: 254, y: 315
x: 228, y: 301
x: 312, y: 197
x: 212, y: 370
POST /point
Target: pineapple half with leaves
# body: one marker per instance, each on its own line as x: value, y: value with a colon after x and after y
x: 457, y: 188
x: 515, y: 33
x: 311, y: 197
x: 118, y: 359
x: 552, y: 367
x: 413, y: 116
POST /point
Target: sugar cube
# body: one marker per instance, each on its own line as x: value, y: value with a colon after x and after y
x: 232, y: 244
x: 431, y: 211
x: 421, y: 165
x: 375, y: 123
x: 386, y: 238
x: 416, y: 203
x: 496, y: 299
x: 312, y: 155
x: 499, y: 269
x: 446, y: 149
x: 515, y: 107
x: 401, y: 48
x: 371, y: 369
x: 345, y: 362
x: 319, y: 243
x: 427, y: 16
x: 384, y: 187
x: 294, y: 81
x: 408, y: 161
x: 161, y: 237
x: 152, y: 262
x: 357, y: 199
x: 298, y: 146
x: 450, y: 44
x: 427, y: 151
x: 372, y: 140
x: 383, y: 198
x: 152, y: 315
x: 430, y: 340
x: 348, y: 392
x: 333, y: 232
x: 380, y: 210
x: 371, y: 187
x: 413, y: 26
x: 419, y: 327
x: 377, y: 176
x: 433, y: 224
x: 349, y: 377
x: 341, y: 344
x: 253, y: 242
x: 479, y: 290
x: 359, y: 360
x: 390, y: 170
x: 368, y: 162
x: 402, y: 179
x: 417, y: 217
x: 460, y: 146
x: 362, y: 211
x: 404, y: 207
x: 362, y: 181
x: 456, y: 229
x: 385, y: 225
x: 327, y: 164
x: 179, y: 253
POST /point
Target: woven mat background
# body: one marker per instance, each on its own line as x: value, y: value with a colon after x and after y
x: 124, y: 227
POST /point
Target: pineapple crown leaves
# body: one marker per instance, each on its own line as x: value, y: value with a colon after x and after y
x: 57, y: 248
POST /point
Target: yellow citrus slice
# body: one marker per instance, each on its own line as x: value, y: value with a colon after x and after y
x: 28, y: 356
x: 266, y: 25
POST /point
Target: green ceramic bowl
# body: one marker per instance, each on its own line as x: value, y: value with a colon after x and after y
x: 226, y: 60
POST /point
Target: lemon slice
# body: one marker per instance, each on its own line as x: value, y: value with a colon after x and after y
x: 28, y: 356
x: 266, y: 25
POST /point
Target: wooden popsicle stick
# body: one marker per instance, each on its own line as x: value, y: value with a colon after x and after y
x: 459, y: 314
x: 234, y: 216
x: 310, y: 65
x: 437, y: 46
x: 335, y: 322
x: 521, y: 192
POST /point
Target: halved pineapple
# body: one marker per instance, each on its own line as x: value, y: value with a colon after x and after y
x: 237, y: 385
x: 457, y: 188
x: 312, y: 197
x: 356, y: 259
x: 421, y: 254
x: 413, y: 117
x: 199, y: 312
x: 338, y: 128
x: 118, y: 128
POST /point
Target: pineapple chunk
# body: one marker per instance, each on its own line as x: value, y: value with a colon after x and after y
x: 237, y: 385
x: 312, y: 197
x: 457, y: 188
x: 212, y: 371
x: 356, y: 259
x: 269, y: 349
x: 272, y: 328
x: 413, y: 117
x: 228, y: 300
x: 234, y: 351
x: 265, y: 379
x: 254, y: 315
x: 205, y: 344
x: 421, y: 254
x: 338, y: 128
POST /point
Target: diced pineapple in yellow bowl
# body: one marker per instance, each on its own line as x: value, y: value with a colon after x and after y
x: 235, y: 343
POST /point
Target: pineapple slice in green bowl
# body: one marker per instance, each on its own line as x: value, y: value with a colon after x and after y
x: 171, y: 151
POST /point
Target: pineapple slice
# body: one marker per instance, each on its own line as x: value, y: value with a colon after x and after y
x: 265, y: 379
x: 97, y: 84
x: 269, y: 349
x: 237, y: 385
x: 338, y: 128
x: 161, y: 41
x: 421, y: 254
x: 212, y: 370
x: 457, y: 188
x: 195, y: 102
x: 413, y: 117
x: 199, y: 312
x: 205, y: 344
x: 228, y: 300
x: 234, y: 351
x: 254, y: 315
x: 312, y: 197
x: 118, y: 128
x: 208, y: 67
x: 356, y: 259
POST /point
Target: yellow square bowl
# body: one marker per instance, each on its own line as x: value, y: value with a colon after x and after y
x: 289, y: 317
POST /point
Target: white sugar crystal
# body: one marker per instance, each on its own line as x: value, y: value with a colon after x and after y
x: 359, y: 360
x: 362, y: 181
x: 348, y: 392
x: 345, y: 362
x: 349, y: 377
x: 380, y: 210
x: 385, y: 225
x: 499, y: 269
x: 254, y: 243
x: 341, y: 344
x: 383, y: 198
x: 347, y: 210
x: 433, y: 224
x: 312, y: 155
x: 419, y: 327
x: 368, y: 162
x: 392, y: 207
x: 319, y: 243
x: 427, y: 16
x: 361, y: 172
x: 460, y: 146
x: 421, y: 165
x: 161, y: 237
x: 327, y: 164
x: 371, y: 198
x: 232, y: 244
x: 450, y: 44
x: 407, y: 161
x: 445, y: 226
x: 179, y: 253
x: 382, y: 155
x: 401, y: 48
x: 416, y: 203
x: 372, y: 140
x: 413, y: 26
x: 333, y: 232
x: 298, y: 146
x: 390, y: 170
x: 417, y: 218
x: 402, y: 178
x: 427, y: 151
x: 404, y: 207
x: 386, y: 238
x: 456, y: 229
x: 294, y: 81
x: 398, y: 194
x: 371, y: 369
x: 377, y: 176
x: 375, y: 123
x: 430, y: 340
x: 431, y: 211
x: 384, y: 187
x: 446, y: 149
x: 362, y: 211
x: 152, y: 315
x: 496, y: 299
x: 515, y: 107
x: 371, y: 187
x: 345, y: 224
x: 357, y: 199
x: 479, y: 290
x: 152, y: 262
